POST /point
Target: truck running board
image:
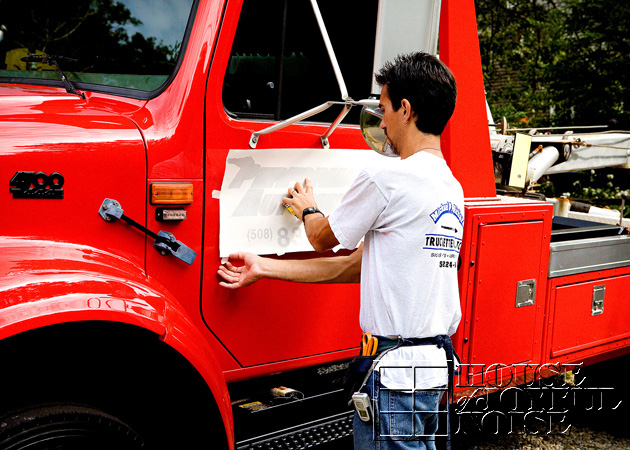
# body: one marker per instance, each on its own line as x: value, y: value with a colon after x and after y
x: 303, y: 436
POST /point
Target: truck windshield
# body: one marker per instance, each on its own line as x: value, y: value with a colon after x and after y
x: 102, y: 44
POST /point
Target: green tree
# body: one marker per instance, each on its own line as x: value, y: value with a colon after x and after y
x: 515, y: 41
x: 562, y: 62
x: 590, y: 74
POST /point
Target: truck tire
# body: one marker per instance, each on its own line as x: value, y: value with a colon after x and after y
x: 66, y: 427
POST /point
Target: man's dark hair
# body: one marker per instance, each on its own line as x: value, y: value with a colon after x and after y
x: 426, y: 83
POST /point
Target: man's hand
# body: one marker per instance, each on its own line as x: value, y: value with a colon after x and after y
x: 317, y: 227
x: 241, y: 276
x: 300, y: 197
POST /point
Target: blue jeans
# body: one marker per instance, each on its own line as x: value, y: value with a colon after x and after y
x: 391, y: 430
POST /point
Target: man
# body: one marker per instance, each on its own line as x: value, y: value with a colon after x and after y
x: 410, y: 214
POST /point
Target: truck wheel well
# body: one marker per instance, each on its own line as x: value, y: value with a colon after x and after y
x: 123, y: 370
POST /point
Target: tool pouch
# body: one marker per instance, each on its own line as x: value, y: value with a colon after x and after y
x: 356, y: 375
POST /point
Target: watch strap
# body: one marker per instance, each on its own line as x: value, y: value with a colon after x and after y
x: 310, y: 210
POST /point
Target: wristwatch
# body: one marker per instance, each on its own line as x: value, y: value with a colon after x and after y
x: 310, y: 210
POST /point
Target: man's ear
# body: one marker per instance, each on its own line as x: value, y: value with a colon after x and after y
x: 406, y: 106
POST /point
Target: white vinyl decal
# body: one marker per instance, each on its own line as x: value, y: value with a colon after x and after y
x: 252, y: 217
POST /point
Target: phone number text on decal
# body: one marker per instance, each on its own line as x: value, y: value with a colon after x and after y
x: 284, y: 236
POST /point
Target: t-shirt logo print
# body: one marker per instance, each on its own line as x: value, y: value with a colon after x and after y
x: 445, y: 244
x: 447, y: 208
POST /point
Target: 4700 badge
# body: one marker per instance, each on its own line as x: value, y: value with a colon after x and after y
x: 37, y: 185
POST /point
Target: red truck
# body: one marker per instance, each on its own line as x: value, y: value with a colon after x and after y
x: 115, y: 124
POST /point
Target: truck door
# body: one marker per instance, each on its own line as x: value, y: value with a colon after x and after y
x: 270, y: 63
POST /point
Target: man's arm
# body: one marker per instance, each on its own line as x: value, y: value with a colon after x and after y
x: 335, y: 269
x: 316, y: 225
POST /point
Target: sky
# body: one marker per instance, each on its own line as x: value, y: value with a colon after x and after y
x: 164, y: 20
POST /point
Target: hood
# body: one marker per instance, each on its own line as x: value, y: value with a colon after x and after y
x: 60, y: 158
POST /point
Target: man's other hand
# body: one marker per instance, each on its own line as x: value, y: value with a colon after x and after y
x: 240, y: 276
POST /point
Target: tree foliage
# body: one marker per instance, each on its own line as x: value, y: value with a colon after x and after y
x: 556, y: 62
x: 591, y: 73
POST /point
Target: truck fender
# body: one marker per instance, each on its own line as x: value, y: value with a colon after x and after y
x: 185, y: 338
x: 46, y: 283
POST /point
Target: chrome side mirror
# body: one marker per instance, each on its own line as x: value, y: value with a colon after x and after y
x: 370, y: 122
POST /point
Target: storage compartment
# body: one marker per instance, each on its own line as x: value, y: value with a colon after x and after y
x: 588, y: 314
x: 569, y: 229
x: 578, y: 246
x: 509, y: 293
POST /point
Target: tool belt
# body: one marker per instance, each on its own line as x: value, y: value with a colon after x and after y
x: 374, y: 347
x: 389, y: 342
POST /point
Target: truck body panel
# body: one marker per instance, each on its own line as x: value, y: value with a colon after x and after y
x: 65, y: 261
x: 46, y: 131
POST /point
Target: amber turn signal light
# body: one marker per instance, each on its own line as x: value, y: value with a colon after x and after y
x: 171, y: 193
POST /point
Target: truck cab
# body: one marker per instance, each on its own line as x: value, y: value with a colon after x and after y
x: 118, y: 122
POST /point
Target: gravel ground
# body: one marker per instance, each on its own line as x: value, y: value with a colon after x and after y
x: 595, y: 435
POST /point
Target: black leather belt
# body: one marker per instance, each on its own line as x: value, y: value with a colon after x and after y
x: 387, y: 342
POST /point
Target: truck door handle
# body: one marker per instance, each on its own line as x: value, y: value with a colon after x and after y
x: 164, y: 243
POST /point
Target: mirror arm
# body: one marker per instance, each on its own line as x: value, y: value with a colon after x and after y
x: 324, y: 138
x: 253, y: 140
x: 331, y: 51
x: 291, y: 120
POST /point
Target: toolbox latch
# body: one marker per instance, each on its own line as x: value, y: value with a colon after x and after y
x: 599, y: 292
x: 525, y: 293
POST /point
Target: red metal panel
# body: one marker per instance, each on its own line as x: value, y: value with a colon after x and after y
x: 507, y: 253
x: 505, y: 241
x: 275, y: 321
x: 185, y: 337
x: 46, y: 282
x: 178, y: 278
x: 575, y: 328
x: 172, y: 123
x: 466, y: 139
x: 99, y: 153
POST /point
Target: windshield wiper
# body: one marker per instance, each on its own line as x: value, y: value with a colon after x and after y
x: 54, y: 61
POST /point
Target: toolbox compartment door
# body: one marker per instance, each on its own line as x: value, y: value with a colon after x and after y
x: 589, y: 314
x: 505, y: 313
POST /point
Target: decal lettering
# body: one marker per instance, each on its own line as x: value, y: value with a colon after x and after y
x: 252, y: 217
x: 283, y: 177
x: 37, y: 185
x: 441, y: 242
x: 255, y: 202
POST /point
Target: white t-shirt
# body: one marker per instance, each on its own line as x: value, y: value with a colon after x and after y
x: 411, y: 214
